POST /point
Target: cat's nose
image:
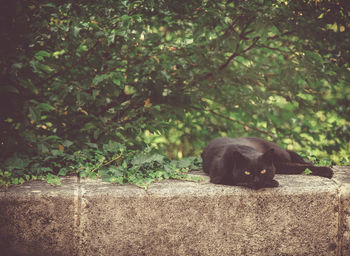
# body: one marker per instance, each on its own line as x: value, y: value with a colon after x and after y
x: 256, y: 183
x: 256, y: 180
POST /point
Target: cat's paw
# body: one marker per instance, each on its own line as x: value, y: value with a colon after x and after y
x: 222, y: 180
x: 217, y: 180
x: 269, y: 184
x: 273, y: 184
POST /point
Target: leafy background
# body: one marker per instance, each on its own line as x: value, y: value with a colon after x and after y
x: 128, y: 90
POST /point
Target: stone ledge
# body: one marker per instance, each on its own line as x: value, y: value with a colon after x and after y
x: 306, y: 215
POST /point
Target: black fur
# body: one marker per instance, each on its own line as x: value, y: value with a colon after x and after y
x: 253, y: 162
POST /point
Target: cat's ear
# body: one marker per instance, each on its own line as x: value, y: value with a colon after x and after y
x: 237, y: 156
x: 268, y: 156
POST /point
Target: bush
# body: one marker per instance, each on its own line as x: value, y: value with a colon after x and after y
x: 168, y: 76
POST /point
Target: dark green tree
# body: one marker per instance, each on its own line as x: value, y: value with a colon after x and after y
x: 170, y: 74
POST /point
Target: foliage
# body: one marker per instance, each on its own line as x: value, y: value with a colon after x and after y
x: 113, y: 163
x: 169, y: 75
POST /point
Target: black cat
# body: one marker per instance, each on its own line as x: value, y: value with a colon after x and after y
x: 253, y: 162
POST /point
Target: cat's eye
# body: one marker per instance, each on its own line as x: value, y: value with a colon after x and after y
x: 263, y: 171
x: 247, y: 173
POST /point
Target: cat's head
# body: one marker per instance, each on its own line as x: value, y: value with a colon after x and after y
x: 252, y: 168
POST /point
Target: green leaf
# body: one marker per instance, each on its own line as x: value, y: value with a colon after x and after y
x: 15, y: 181
x: 112, y: 174
x: 67, y: 143
x: 63, y: 172
x: 92, y: 145
x: 99, y: 78
x: 45, y: 68
x: 82, y: 48
x: 76, y: 31
x: 184, y: 162
x: 89, y: 126
x: 42, y: 148
x: 41, y: 54
x: 307, y: 171
x: 49, y: 5
x: 16, y: 163
x: 113, y: 146
x: 142, y: 159
x: 53, y: 179
x: 116, y: 81
x: 58, y: 53
x: 45, y: 107
x: 35, y: 114
x: 115, y: 171
x: 45, y: 170
x: 125, y: 17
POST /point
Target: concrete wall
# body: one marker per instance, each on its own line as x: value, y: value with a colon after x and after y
x: 306, y: 215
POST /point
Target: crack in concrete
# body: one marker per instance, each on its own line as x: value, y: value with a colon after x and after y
x: 77, y: 216
x: 340, y: 223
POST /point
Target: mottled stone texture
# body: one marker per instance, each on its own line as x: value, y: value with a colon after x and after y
x: 305, y: 215
x: 342, y: 178
x: 183, y: 218
x: 38, y: 219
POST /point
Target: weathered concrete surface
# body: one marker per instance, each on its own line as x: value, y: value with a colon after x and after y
x: 306, y: 215
x: 342, y: 178
x: 183, y: 218
x: 38, y: 219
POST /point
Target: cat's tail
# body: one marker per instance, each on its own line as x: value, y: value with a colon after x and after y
x: 298, y: 168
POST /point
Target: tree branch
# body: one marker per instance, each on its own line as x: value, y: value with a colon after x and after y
x: 235, y: 54
x: 283, y: 34
x: 233, y: 120
x: 241, y: 36
x: 232, y: 26
x: 115, y: 102
x: 272, y: 48
x: 256, y: 39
